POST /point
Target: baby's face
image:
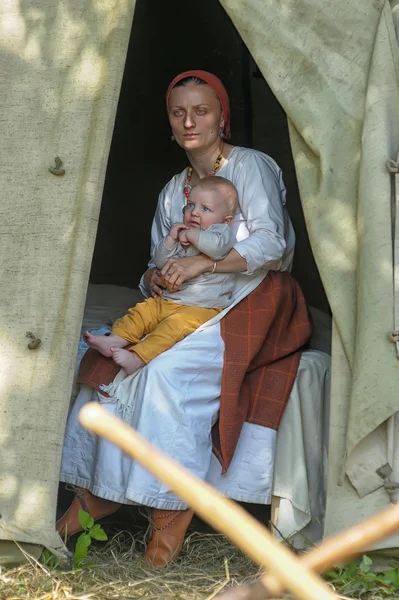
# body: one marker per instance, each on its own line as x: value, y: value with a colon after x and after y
x: 205, y: 208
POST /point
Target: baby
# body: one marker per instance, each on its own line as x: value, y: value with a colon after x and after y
x: 167, y: 319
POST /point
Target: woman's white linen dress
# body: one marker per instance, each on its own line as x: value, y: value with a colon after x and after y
x: 174, y: 401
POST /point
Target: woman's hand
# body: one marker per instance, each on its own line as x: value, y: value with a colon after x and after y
x: 153, y: 282
x: 178, y: 270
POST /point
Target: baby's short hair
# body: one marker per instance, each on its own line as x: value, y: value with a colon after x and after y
x: 226, y: 189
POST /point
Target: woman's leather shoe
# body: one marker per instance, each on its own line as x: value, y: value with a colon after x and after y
x: 84, y: 500
x: 168, y: 531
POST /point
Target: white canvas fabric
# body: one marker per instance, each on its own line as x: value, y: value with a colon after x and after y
x: 62, y: 66
x: 301, y: 465
x: 336, y: 75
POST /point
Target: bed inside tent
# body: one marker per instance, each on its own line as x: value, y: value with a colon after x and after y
x: 339, y: 134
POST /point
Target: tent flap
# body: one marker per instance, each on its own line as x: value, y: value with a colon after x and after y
x: 62, y: 66
x: 336, y: 75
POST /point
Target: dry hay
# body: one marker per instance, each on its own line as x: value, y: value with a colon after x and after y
x: 208, y: 561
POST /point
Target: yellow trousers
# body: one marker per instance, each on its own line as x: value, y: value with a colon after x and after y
x: 165, y: 322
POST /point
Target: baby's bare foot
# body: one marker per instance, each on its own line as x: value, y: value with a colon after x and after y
x: 130, y: 361
x: 102, y: 343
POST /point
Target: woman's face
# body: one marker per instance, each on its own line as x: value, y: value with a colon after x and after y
x: 195, y: 116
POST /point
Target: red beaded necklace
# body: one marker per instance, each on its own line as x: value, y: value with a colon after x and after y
x: 187, y: 186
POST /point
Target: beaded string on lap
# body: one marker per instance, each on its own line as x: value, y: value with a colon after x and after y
x: 216, y: 167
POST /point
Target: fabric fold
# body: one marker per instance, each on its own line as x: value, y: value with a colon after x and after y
x: 263, y: 337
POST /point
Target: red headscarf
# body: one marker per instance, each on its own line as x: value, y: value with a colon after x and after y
x: 215, y: 83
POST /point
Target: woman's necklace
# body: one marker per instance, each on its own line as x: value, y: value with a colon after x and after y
x: 187, y: 186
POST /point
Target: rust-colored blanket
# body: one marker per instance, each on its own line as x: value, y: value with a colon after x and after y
x: 263, y: 337
x: 96, y: 369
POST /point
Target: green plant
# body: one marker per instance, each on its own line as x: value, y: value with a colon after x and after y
x: 48, y: 559
x: 91, y: 531
x: 362, y: 579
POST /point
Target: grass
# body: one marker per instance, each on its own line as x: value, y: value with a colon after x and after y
x: 365, y: 580
x: 209, y: 564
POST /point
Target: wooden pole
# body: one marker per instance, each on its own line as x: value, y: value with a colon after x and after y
x: 343, y: 546
x: 223, y: 514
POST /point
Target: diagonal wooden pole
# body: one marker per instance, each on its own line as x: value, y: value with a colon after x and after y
x: 343, y: 546
x: 223, y: 514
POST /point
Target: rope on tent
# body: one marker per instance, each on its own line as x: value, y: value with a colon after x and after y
x: 393, y: 168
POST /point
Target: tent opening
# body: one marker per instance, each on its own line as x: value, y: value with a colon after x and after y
x: 166, y: 40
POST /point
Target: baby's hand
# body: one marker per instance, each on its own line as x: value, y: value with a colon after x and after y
x: 173, y: 236
x: 175, y: 230
x: 183, y: 237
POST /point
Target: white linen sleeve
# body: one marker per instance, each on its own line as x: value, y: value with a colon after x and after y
x: 161, y: 253
x: 160, y: 228
x: 261, y: 194
x: 216, y: 241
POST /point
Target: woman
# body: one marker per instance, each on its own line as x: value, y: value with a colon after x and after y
x: 174, y: 401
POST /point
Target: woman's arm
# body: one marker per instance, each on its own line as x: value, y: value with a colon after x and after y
x: 233, y: 262
x: 178, y: 270
x: 261, y: 193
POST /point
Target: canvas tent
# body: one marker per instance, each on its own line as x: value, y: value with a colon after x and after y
x: 334, y: 69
